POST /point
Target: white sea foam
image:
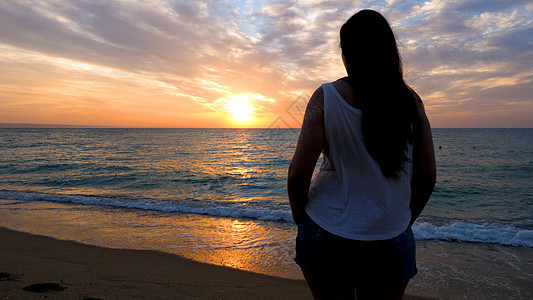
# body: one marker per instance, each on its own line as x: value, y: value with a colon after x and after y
x: 234, y: 210
x: 477, y: 233
x: 453, y: 231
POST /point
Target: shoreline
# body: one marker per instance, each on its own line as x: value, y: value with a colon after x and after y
x: 85, y: 271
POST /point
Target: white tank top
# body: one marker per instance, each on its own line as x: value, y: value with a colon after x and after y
x: 350, y: 196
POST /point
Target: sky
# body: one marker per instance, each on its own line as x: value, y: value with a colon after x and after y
x: 248, y: 63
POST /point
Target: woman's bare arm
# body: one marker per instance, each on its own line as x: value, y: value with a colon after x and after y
x: 424, y: 169
x: 308, y: 149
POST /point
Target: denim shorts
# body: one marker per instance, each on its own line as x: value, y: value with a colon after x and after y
x: 328, y: 257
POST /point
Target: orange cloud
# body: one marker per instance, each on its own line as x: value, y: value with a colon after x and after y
x: 129, y: 63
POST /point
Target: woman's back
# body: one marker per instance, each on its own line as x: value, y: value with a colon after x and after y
x: 350, y: 196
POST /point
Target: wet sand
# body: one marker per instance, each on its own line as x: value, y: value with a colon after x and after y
x: 70, y: 270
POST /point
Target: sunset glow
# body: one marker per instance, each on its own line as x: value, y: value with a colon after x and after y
x: 241, y: 110
x: 241, y: 107
x: 245, y: 63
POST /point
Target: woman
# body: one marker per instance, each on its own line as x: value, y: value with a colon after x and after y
x: 354, y: 218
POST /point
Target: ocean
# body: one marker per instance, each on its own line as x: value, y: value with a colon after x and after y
x: 219, y: 196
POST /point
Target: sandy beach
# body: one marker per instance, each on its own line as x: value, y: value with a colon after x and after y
x: 77, y: 271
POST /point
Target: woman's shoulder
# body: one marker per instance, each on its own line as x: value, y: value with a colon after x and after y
x: 341, y: 83
x: 317, y: 99
x: 345, y: 89
x: 417, y: 98
x: 422, y: 119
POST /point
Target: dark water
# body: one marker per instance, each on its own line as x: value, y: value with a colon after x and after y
x: 233, y: 181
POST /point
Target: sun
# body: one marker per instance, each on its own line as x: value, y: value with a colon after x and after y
x: 240, y: 108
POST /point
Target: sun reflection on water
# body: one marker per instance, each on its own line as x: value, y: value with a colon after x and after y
x: 249, y: 245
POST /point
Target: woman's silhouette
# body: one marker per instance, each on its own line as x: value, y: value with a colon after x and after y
x: 354, y: 218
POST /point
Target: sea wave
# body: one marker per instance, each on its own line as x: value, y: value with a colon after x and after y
x: 456, y: 231
x: 194, y: 206
x: 490, y: 233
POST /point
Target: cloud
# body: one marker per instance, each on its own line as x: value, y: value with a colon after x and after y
x: 459, y: 55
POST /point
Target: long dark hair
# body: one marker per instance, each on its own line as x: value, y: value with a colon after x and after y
x: 375, y: 72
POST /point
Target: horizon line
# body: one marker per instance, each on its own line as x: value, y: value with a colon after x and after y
x: 73, y: 126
